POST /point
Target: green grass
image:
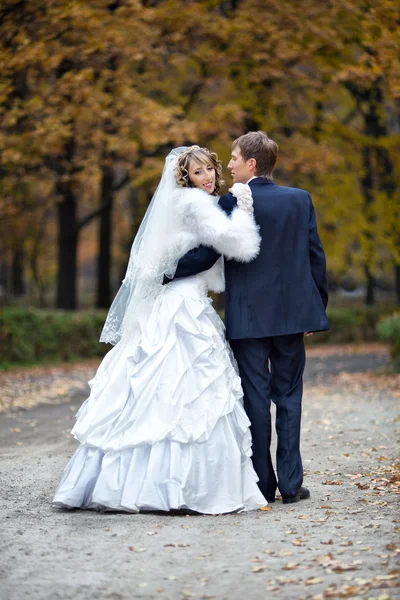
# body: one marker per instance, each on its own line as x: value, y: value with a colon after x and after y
x: 388, y: 330
x: 30, y: 336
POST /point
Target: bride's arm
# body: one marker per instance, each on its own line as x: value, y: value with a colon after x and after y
x: 236, y: 236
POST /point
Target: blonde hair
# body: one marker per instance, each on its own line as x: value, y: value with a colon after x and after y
x: 204, y: 157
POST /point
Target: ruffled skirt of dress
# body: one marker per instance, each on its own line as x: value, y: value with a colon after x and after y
x: 164, y: 427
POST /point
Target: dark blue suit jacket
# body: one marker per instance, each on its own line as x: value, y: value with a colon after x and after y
x: 284, y: 290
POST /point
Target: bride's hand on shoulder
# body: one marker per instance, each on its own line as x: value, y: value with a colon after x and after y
x: 242, y: 192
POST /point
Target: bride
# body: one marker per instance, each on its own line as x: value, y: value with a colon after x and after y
x: 164, y: 427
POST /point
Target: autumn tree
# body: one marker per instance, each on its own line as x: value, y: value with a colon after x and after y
x: 372, y: 79
x: 96, y: 104
x: 324, y: 82
x: 82, y: 111
x: 96, y: 94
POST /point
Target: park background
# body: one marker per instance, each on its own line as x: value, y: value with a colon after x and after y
x: 94, y: 94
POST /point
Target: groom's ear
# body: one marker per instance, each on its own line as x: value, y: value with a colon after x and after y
x: 252, y: 164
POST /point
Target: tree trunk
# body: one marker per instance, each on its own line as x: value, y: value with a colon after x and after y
x: 105, y: 240
x: 397, y: 283
x: 367, y: 187
x: 67, y: 247
x: 17, y: 272
x: 380, y: 176
x: 370, y: 291
x: 4, y: 278
x: 378, y: 168
x: 374, y: 166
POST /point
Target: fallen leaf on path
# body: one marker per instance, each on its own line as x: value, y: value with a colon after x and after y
x: 265, y: 508
x: 362, y: 486
x: 258, y: 569
x: 324, y: 559
x: 284, y: 552
x: 340, y: 568
x: 319, y: 520
x: 391, y: 547
x: 385, y: 577
x: 284, y: 580
x: 291, y: 566
x: 312, y: 581
x: 332, y: 482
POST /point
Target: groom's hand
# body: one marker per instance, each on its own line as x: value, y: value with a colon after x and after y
x: 307, y: 333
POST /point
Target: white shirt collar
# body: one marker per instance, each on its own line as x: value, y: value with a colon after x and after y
x: 251, y: 179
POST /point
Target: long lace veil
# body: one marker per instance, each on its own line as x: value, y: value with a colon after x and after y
x: 154, y: 253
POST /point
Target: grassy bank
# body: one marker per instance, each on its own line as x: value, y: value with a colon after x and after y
x: 30, y: 336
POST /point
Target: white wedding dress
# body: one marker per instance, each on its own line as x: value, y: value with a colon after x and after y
x: 164, y: 427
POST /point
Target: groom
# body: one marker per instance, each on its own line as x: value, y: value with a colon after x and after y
x: 270, y: 303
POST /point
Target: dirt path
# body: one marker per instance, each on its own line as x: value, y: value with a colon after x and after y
x: 343, y: 543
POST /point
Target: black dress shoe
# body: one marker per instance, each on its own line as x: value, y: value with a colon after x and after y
x: 302, y: 494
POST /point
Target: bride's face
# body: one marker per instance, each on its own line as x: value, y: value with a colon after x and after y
x: 202, y: 176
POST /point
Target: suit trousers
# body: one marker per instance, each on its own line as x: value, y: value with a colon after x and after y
x: 271, y: 368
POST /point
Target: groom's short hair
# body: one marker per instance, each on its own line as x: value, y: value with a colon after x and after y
x: 256, y: 144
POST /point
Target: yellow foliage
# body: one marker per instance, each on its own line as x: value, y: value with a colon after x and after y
x: 84, y: 85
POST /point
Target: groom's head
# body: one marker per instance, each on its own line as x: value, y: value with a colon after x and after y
x: 253, y: 155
